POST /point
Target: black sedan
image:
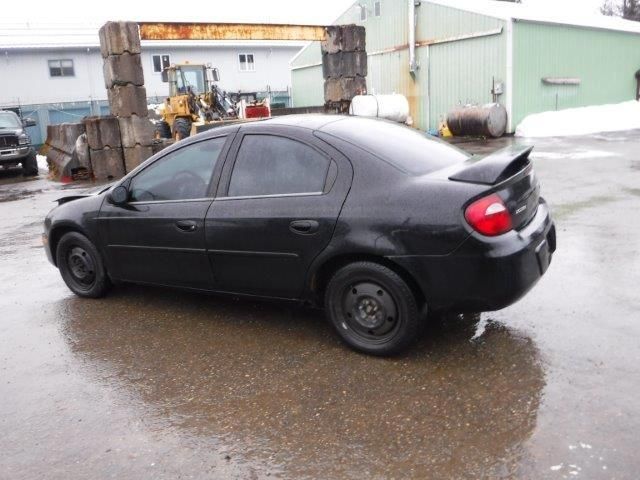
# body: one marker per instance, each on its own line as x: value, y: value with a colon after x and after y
x: 376, y: 221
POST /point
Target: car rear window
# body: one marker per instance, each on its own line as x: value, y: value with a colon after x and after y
x: 410, y: 150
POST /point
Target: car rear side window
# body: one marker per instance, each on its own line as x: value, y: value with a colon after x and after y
x: 273, y: 165
x: 410, y: 150
x: 180, y: 175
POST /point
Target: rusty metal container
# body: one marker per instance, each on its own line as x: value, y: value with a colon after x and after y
x: 488, y: 120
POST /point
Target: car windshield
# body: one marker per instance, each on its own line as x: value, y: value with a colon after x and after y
x: 408, y: 149
x: 9, y: 120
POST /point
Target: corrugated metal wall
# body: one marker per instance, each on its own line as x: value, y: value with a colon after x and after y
x: 605, y: 61
x: 453, y: 72
x: 462, y: 71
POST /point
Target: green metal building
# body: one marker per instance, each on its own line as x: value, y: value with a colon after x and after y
x: 478, y: 51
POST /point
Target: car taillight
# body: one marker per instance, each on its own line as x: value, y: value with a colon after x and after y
x: 489, y: 216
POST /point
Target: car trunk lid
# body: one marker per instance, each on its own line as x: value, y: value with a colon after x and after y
x: 509, y: 173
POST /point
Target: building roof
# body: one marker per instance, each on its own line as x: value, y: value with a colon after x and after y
x: 21, y: 35
x: 517, y: 11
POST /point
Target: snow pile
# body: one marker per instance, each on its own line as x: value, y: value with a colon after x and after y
x: 582, y: 121
x: 42, y: 163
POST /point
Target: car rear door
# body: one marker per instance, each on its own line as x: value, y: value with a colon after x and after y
x: 280, y: 195
x: 158, y: 236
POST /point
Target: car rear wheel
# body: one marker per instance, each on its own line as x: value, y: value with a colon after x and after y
x: 30, y: 166
x: 81, y: 266
x: 372, y: 308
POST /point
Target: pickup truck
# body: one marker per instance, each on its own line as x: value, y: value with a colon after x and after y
x: 15, y: 143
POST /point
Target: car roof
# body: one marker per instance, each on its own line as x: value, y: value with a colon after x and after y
x: 313, y: 121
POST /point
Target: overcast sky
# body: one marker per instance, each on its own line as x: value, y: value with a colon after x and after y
x: 276, y: 11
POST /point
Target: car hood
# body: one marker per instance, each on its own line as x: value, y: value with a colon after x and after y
x: 92, y: 192
x: 11, y: 131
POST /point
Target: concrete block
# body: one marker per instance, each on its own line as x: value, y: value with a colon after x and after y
x: 136, y: 155
x: 63, y: 136
x: 354, y: 64
x: 102, y: 132
x: 353, y: 86
x: 117, y: 38
x: 127, y: 100
x: 332, y: 65
x: 343, y: 89
x: 332, y: 90
x: 353, y: 38
x: 123, y: 69
x: 135, y: 130
x: 107, y: 164
x: 344, y: 64
x: 331, y: 41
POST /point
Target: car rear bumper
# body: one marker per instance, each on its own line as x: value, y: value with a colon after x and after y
x: 486, y: 274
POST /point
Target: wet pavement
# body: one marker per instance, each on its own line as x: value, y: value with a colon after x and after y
x: 154, y: 383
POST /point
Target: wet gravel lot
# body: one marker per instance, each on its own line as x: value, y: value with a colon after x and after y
x: 154, y: 383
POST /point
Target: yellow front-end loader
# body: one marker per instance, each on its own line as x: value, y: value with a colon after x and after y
x: 194, y: 100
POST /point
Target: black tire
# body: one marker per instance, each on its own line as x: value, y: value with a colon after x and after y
x: 181, y: 128
x: 81, y: 266
x: 30, y: 165
x: 163, y: 130
x: 372, y: 308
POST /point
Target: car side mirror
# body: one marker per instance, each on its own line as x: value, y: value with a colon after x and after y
x: 29, y: 122
x: 216, y: 75
x: 119, y: 195
x: 165, y: 76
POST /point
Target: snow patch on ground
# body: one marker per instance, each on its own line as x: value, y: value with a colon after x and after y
x: 582, y: 121
x: 42, y: 163
x: 578, y: 155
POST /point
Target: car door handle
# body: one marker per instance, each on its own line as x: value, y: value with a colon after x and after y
x: 187, y: 225
x: 304, y: 227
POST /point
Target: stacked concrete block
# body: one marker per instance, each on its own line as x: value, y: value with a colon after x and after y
x: 105, y: 147
x: 344, y: 65
x: 124, y: 80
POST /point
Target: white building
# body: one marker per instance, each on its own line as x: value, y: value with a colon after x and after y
x: 55, y: 72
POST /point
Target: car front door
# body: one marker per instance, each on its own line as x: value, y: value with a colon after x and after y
x: 280, y: 195
x: 158, y: 235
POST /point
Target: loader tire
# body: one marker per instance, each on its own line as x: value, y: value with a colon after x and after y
x: 163, y: 130
x: 181, y: 128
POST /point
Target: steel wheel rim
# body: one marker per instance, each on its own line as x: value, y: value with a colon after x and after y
x: 370, y: 312
x: 81, y: 266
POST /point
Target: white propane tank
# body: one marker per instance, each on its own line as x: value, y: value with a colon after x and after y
x: 391, y: 107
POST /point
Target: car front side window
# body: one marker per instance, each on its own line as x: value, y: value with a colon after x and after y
x: 181, y: 175
x: 274, y: 165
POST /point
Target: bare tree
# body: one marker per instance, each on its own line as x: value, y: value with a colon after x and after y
x: 629, y: 9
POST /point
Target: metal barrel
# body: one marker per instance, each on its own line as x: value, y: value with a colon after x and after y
x: 478, y: 120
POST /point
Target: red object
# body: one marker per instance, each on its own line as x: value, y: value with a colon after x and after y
x: 489, y: 216
x: 257, y: 111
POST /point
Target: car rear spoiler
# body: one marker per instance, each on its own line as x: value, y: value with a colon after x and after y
x: 494, y: 168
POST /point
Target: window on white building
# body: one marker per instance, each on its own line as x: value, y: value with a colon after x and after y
x: 246, y: 62
x: 160, y: 62
x: 363, y: 12
x: 376, y: 9
x: 61, y: 68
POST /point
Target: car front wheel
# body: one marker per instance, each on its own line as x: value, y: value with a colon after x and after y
x: 81, y: 266
x: 372, y: 308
